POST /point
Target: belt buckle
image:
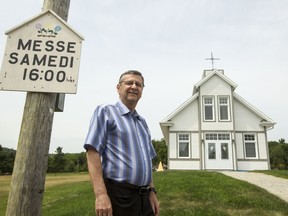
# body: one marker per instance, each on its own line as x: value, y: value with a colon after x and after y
x: 144, y: 190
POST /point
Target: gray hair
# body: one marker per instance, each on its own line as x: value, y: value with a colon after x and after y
x: 134, y: 72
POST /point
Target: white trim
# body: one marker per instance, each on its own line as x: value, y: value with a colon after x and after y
x: 184, y: 141
x: 43, y: 14
x: 204, y: 105
x: 179, y: 109
x: 250, y: 141
x: 218, y: 73
x: 268, y: 122
x: 224, y: 105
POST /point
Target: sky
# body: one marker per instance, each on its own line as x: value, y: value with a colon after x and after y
x: 168, y: 41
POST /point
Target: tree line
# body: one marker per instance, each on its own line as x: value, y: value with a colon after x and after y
x: 70, y: 162
x: 278, y: 152
x: 76, y: 162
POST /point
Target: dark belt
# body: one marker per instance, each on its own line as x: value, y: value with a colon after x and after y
x: 142, y: 190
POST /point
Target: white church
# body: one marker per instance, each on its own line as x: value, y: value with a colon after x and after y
x: 216, y: 129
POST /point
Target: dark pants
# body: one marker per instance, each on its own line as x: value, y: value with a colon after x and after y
x: 128, y: 200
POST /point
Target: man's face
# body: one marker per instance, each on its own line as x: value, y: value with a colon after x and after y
x: 130, y: 90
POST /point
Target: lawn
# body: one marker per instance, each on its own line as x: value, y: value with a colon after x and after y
x: 211, y: 193
x: 180, y: 193
x: 277, y: 173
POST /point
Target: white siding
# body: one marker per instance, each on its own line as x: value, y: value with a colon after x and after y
x: 252, y: 165
x: 245, y: 120
x: 262, y: 146
x: 184, y: 165
x: 172, y: 145
x: 216, y: 86
x: 187, y: 119
x: 195, y: 145
x: 239, y: 146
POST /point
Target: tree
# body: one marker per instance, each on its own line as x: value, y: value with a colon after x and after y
x: 76, y: 162
x: 278, y: 154
x: 161, y: 150
x: 7, y: 157
x: 58, y: 161
x: 82, y: 162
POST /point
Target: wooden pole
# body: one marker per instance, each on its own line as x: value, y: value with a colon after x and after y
x: 30, y: 166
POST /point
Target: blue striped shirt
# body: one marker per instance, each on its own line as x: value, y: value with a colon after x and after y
x: 123, y: 140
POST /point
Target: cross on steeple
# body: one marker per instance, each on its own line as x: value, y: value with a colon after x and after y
x: 212, y: 60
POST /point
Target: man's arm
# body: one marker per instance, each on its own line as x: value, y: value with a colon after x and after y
x: 102, y: 203
x: 154, y: 201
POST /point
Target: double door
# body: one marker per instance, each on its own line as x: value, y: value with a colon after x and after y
x: 218, y: 153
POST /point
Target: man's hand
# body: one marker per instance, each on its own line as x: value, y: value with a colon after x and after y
x: 103, y: 205
x: 154, y: 203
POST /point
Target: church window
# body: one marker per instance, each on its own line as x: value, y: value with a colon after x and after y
x: 208, y: 108
x: 184, y: 145
x: 250, y: 146
x: 224, y: 111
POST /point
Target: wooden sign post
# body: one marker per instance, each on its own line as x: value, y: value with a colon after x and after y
x: 28, y: 179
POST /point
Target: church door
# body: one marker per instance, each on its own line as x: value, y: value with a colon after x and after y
x: 218, y: 151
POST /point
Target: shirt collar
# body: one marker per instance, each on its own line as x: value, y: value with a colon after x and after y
x: 124, y: 110
x: 122, y: 107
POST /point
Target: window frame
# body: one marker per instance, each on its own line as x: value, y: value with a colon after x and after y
x: 184, y: 141
x: 250, y: 141
x: 227, y: 105
x: 212, y: 105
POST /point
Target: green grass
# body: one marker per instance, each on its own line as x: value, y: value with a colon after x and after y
x: 277, y: 173
x: 65, y: 195
x: 4, y: 191
x: 211, y: 193
x: 69, y: 199
x: 181, y: 193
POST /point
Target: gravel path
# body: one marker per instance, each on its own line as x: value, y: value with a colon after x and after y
x: 274, y: 185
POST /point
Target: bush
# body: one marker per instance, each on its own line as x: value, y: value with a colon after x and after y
x: 278, y: 155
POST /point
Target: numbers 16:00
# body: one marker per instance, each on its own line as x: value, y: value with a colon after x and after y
x: 48, y: 75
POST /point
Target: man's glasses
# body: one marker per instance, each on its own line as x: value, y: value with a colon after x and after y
x: 131, y: 83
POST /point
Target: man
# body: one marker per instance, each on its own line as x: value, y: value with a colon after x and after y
x: 120, y: 153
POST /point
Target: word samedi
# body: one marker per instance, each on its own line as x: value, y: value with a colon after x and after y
x: 44, y: 59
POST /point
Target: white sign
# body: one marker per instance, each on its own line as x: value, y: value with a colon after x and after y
x: 42, y: 55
